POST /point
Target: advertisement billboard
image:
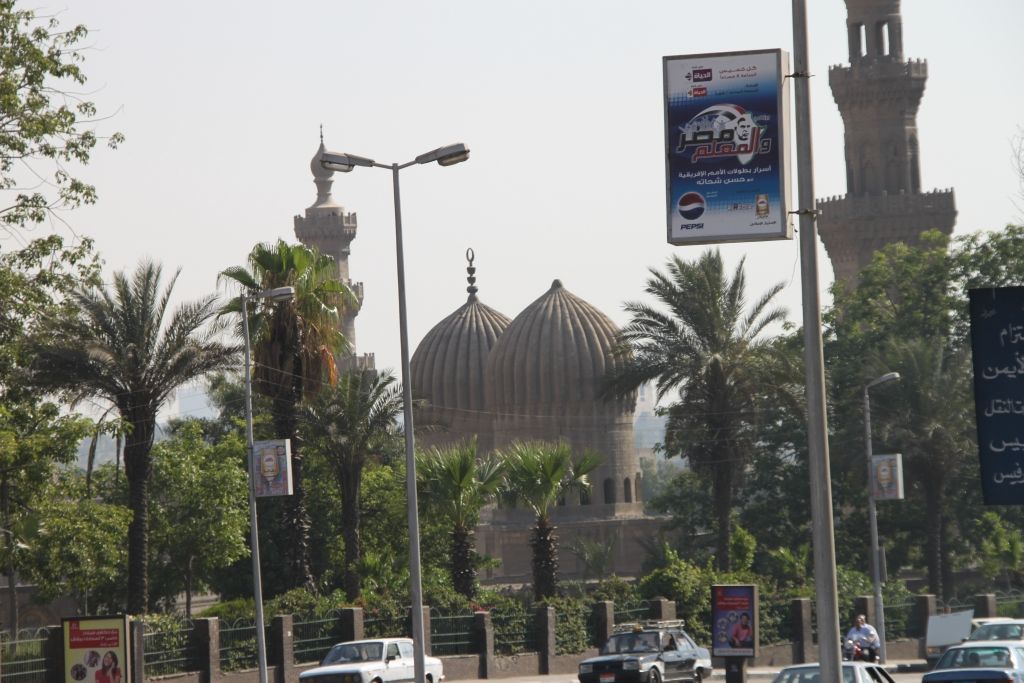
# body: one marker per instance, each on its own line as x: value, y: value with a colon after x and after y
x: 997, y: 348
x: 727, y: 148
x: 96, y: 650
x: 734, y: 621
x: 271, y: 469
x: 887, y: 476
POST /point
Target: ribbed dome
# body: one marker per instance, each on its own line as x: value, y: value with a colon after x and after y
x: 448, y: 366
x: 556, y: 352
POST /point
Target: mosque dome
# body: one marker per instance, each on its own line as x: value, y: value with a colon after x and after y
x: 448, y: 366
x: 555, y: 353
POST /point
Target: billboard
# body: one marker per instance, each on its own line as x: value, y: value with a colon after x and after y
x: 997, y: 348
x: 271, y: 469
x: 96, y: 650
x: 887, y: 476
x: 727, y: 148
x: 734, y: 621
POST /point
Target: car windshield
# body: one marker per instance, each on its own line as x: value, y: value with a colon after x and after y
x: 970, y: 657
x: 809, y: 674
x: 631, y: 642
x: 353, y: 652
x: 999, y: 632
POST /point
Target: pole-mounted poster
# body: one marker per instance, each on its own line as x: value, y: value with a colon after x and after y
x: 271, y: 469
x: 727, y: 149
x: 96, y: 650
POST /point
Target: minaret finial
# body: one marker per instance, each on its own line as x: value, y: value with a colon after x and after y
x: 321, y: 133
x: 472, y: 271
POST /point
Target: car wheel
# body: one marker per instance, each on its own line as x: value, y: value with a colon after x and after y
x: 430, y: 679
x: 697, y: 676
x: 654, y: 676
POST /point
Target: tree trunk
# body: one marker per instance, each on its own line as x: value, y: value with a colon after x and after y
x: 463, y: 572
x: 545, y: 559
x: 12, y: 582
x: 349, y: 481
x: 295, y: 520
x: 946, y: 572
x: 188, y: 588
x: 933, y: 513
x: 722, y: 492
x: 137, y: 467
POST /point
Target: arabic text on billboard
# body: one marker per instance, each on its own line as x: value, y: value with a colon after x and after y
x: 726, y: 147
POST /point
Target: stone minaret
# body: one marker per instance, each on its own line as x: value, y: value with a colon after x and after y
x: 327, y: 227
x: 878, y: 95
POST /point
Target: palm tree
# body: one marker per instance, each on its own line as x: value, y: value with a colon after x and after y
x: 929, y: 417
x: 718, y: 358
x: 122, y: 347
x: 454, y: 482
x: 294, y: 346
x: 349, y: 424
x: 538, y: 474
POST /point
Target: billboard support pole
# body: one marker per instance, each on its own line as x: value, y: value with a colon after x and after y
x: 814, y: 366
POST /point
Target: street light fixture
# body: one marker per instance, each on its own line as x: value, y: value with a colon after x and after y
x: 448, y: 155
x: 876, y: 574
x: 275, y: 295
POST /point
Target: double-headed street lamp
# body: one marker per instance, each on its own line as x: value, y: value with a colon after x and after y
x: 444, y: 156
x: 277, y: 294
x: 876, y: 573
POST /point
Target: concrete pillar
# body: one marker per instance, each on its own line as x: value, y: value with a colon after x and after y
x: 803, y: 635
x: 862, y: 604
x: 351, y: 624
x: 483, y: 642
x: 544, y: 622
x: 137, y: 629
x: 924, y: 607
x: 206, y: 640
x: 661, y: 609
x: 985, y: 605
x: 281, y: 646
x: 53, y: 652
x: 604, y: 622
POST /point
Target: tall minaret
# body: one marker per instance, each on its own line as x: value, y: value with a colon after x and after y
x: 878, y: 96
x: 327, y: 227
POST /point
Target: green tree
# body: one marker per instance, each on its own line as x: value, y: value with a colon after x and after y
x: 44, y: 124
x: 721, y: 360
x: 198, y: 509
x: 538, y: 474
x: 294, y: 345
x: 456, y: 484
x: 124, y: 346
x: 349, y: 424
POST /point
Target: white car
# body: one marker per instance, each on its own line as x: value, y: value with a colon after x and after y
x: 853, y: 672
x: 382, y: 660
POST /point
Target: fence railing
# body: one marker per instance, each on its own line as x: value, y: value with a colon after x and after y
x: 238, y: 645
x: 168, y: 648
x: 24, y: 658
x: 514, y: 632
x: 450, y: 634
x: 314, y: 635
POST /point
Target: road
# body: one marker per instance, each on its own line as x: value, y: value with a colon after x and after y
x: 756, y: 675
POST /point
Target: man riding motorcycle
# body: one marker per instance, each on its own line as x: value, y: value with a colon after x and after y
x: 862, y: 641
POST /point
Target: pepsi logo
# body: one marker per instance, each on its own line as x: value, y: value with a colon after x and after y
x: 691, y: 206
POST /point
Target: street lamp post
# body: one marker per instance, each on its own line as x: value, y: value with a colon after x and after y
x: 278, y: 294
x: 876, y: 573
x: 444, y: 156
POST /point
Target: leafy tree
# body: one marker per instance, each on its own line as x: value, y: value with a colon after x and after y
x: 44, y: 124
x: 456, y: 484
x: 717, y: 355
x: 1002, y: 548
x: 294, y: 343
x: 538, y: 474
x: 348, y: 424
x: 199, y: 512
x: 123, y: 347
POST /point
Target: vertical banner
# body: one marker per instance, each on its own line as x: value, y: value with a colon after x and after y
x: 727, y: 151
x: 997, y: 347
x: 96, y: 650
x: 734, y: 620
x: 271, y: 469
x: 887, y: 477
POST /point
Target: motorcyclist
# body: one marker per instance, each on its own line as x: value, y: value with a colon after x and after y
x: 865, y: 635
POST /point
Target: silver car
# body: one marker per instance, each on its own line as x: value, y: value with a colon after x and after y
x: 386, y: 660
x: 853, y: 672
x: 999, y: 661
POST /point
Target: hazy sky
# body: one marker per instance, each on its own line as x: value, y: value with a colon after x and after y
x: 560, y: 102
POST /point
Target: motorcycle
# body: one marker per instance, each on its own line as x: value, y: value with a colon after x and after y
x: 855, y: 651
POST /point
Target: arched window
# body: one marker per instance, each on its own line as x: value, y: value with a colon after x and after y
x: 627, y: 491
x: 883, y: 38
x: 585, y: 497
x: 609, y: 491
x: 636, y: 487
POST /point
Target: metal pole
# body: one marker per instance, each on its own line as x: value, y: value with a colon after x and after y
x: 254, y: 536
x: 416, y: 587
x: 817, y: 427
x: 876, y: 573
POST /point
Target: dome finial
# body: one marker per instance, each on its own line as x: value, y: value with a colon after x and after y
x: 321, y: 133
x: 470, y: 256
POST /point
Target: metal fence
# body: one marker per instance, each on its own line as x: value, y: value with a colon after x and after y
x: 238, y: 645
x: 450, y: 634
x: 628, y: 613
x: 168, y: 647
x: 314, y: 635
x: 23, y: 660
x: 387, y: 625
x: 514, y: 632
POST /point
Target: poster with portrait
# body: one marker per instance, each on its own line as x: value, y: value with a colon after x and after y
x: 271, y: 469
x: 96, y: 650
x: 887, y: 476
x: 734, y: 620
x: 727, y: 147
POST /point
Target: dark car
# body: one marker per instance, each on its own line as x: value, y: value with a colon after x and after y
x: 650, y: 652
